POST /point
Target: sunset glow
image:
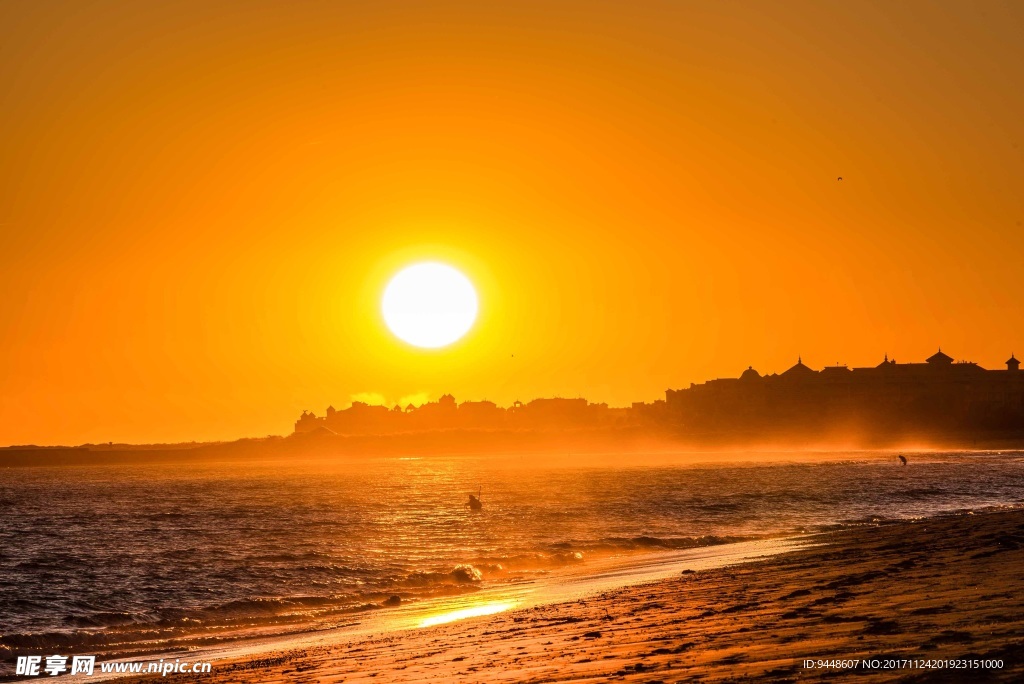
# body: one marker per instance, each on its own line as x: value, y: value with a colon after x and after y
x: 202, y: 203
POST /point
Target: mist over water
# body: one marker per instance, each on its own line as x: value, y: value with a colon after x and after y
x: 104, y: 558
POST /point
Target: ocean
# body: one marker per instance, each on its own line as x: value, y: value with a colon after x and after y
x: 124, y: 560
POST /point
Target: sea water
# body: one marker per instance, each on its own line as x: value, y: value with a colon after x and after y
x: 129, y: 559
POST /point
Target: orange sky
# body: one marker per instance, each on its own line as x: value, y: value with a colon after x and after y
x: 200, y: 203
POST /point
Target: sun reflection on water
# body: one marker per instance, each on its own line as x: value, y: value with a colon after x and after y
x: 463, y: 613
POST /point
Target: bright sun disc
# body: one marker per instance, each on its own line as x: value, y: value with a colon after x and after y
x: 429, y: 305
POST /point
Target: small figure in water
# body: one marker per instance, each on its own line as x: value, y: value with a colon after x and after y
x: 474, y: 502
x: 903, y: 460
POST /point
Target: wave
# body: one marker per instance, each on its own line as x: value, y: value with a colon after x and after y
x: 103, y: 630
x: 673, y: 543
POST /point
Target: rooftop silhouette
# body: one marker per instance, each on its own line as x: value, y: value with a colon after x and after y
x: 939, y: 397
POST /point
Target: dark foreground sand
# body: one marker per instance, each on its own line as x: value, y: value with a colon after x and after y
x: 949, y: 588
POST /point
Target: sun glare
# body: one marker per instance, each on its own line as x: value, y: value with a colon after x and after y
x: 429, y: 305
x: 465, y: 613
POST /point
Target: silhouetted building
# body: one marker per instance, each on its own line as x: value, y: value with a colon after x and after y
x: 939, y: 396
x: 480, y: 414
x: 446, y: 413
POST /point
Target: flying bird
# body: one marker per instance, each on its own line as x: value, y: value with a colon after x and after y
x: 903, y: 460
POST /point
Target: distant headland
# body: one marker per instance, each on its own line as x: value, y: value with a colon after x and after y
x: 938, y: 400
x: 938, y: 403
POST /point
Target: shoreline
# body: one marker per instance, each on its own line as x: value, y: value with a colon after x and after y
x: 565, y: 585
x: 930, y: 589
x: 562, y: 583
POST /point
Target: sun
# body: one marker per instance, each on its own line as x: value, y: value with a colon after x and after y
x: 429, y: 305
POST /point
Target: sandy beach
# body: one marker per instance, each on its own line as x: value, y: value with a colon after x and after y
x: 931, y: 591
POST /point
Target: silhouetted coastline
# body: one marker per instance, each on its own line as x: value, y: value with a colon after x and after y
x: 939, y: 404
x: 939, y: 401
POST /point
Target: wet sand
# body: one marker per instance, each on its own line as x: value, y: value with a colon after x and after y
x: 936, y: 589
